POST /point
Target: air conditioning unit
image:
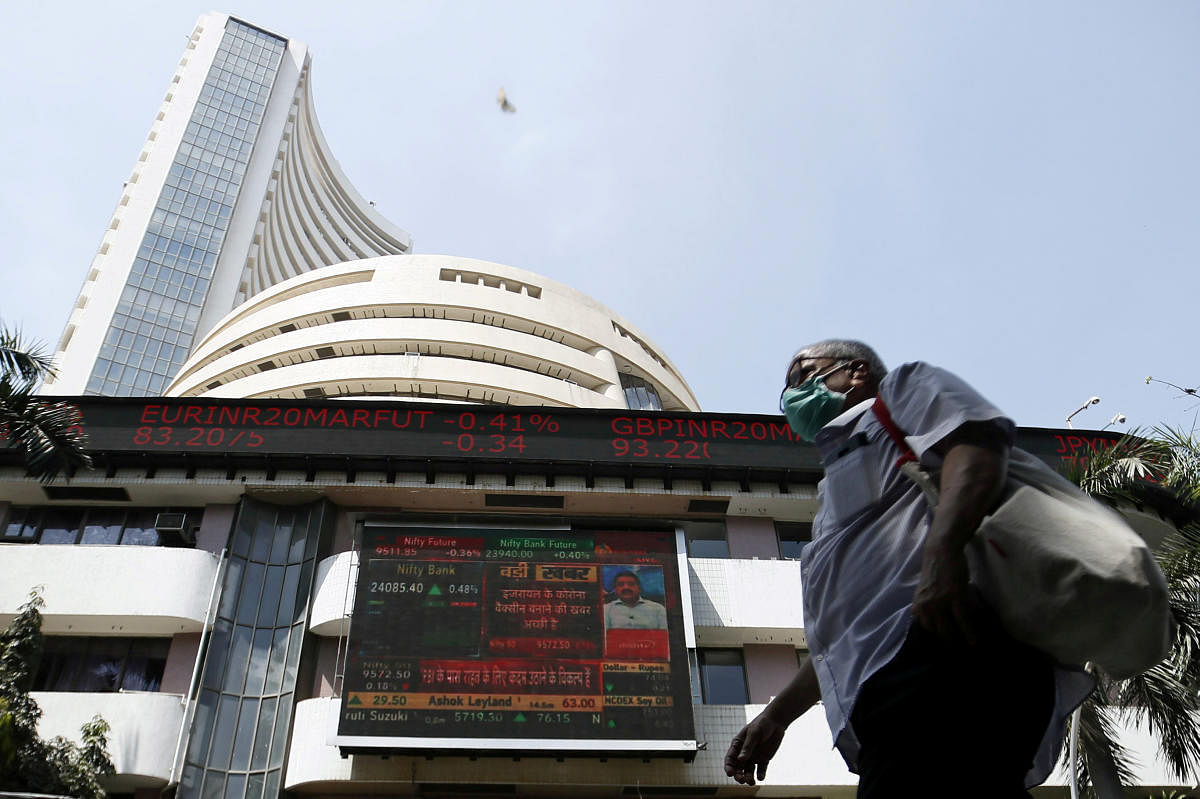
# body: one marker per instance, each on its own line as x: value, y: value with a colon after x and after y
x: 174, y: 529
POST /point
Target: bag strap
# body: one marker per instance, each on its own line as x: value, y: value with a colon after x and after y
x: 907, y: 463
x: 885, y: 418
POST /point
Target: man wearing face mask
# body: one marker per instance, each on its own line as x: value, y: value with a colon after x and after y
x: 923, y: 691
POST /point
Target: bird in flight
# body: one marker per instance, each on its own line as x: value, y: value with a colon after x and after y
x: 505, y: 105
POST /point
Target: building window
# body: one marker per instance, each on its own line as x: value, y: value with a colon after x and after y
x: 706, y: 540
x: 793, y: 536
x: 75, y: 525
x: 723, y: 677
x: 102, y: 665
x: 639, y: 394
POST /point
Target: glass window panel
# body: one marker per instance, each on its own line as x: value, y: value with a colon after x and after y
x: 218, y: 649
x: 262, y: 736
x: 189, y: 781
x: 235, y: 786
x: 63, y: 660
x: 102, y: 669
x: 793, y: 537
x: 284, y: 526
x: 268, y: 605
x: 275, y: 665
x: 295, y: 644
x: 250, y: 592
x: 244, y: 737
x: 145, y: 665
x: 241, y: 536
x: 103, y: 527
x: 723, y: 675
x: 214, y: 785
x: 22, y: 524
x: 300, y: 611
x: 260, y: 544
x: 260, y: 652
x: 283, y: 712
x: 271, y: 788
x: 287, y: 605
x: 239, y: 655
x: 254, y: 786
x: 202, y: 726
x: 706, y: 540
x: 60, y: 526
x: 231, y: 588
x: 222, y: 740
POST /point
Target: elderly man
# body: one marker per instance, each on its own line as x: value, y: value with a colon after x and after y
x: 924, y: 693
x: 630, y: 611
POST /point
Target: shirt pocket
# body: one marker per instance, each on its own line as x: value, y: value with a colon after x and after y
x: 852, y: 484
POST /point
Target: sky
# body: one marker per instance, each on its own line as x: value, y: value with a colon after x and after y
x: 1009, y: 190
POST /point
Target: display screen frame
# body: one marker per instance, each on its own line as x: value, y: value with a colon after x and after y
x: 672, y: 562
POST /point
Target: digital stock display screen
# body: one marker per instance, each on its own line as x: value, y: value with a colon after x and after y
x: 415, y: 431
x: 526, y: 639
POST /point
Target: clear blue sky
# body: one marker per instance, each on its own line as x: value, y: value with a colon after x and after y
x: 1006, y: 189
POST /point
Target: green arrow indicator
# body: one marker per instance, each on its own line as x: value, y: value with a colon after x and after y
x: 608, y: 686
x: 611, y: 724
x: 519, y: 717
x: 435, y: 591
x: 354, y: 700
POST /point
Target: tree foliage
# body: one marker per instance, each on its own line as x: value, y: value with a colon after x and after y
x: 1157, y: 472
x: 28, y: 762
x: 47, y: 433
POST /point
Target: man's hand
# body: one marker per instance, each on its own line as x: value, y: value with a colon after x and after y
x: 942, y: 602
x: 752, y: 748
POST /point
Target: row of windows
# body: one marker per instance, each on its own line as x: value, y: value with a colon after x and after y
x: 708, y: 539
x: 257, y: 661
x: 102, y: 665
x: 640, y: 395
x: 74, y: 525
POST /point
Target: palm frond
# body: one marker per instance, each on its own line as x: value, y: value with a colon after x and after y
x: 25, y: 361
x: 1100, y: 758
x: 1159, y: 469
x: 48, y: 433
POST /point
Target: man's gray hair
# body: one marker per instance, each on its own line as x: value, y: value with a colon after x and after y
x: 844, y: 349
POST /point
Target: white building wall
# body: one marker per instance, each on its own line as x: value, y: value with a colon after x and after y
x: 428, y: 326
x: 109, y: 590
x: 144, y: 731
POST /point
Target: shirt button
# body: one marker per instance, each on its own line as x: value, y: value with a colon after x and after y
x: 820, y: 658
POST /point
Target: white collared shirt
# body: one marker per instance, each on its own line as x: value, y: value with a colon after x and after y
x: 862, y: 567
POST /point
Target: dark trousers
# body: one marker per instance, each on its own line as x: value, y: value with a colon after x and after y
x: 951, y: 720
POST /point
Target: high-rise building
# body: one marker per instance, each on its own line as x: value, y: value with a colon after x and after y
x: 234, y: 191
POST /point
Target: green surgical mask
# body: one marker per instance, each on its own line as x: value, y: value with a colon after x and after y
x: 812, y: 405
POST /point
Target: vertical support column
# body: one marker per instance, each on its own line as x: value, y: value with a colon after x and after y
x: 612, y: 386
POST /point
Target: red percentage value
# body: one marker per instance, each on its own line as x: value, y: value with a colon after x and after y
x: 543, y: 424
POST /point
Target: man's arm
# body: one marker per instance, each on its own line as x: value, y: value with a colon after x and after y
x: 974, y: 466
x: 752, y: 748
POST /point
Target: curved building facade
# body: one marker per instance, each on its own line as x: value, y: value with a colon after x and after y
x: 234, y: 190
x: 432, y: 327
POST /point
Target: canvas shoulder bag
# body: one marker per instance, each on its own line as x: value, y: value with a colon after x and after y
x: 1063, y: 572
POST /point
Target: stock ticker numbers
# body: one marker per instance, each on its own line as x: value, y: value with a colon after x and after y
x: 420, y: 432
x: 493, y: 635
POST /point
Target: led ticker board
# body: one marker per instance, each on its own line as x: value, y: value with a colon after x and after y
x: 517, y: 640
x: 418, y: 431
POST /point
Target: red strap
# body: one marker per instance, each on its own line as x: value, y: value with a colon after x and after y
x: 885, y: 418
